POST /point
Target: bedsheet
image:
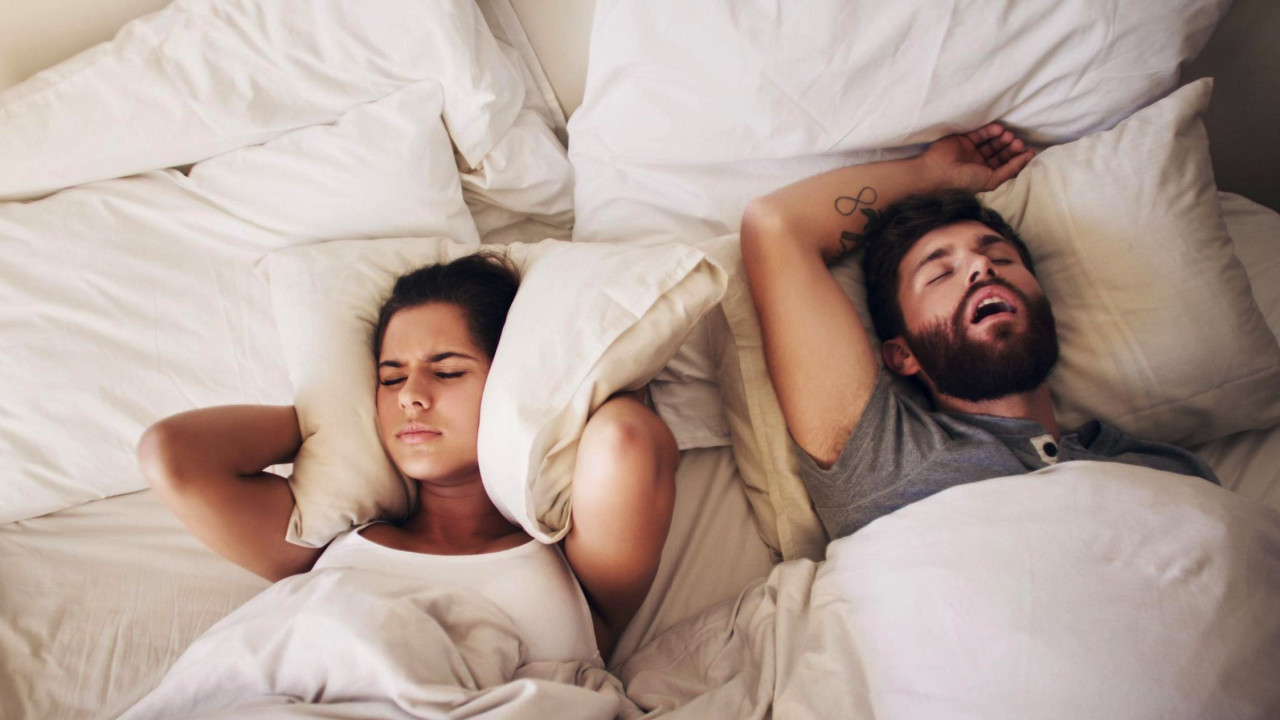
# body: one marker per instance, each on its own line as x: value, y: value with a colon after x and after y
x: 198, y: 79
x: 342, y: 635
x: 1083, y: 590
x: 98, y: 601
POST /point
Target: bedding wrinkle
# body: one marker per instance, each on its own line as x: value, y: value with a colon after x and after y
x: 1093, y: 51
x: 911, y: 124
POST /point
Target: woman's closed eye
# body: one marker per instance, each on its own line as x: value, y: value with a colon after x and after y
x: 442, y: 375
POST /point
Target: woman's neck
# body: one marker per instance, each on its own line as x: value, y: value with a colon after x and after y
x: 460, y: 517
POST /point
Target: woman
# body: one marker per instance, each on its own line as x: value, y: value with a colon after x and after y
x: 434, y: 342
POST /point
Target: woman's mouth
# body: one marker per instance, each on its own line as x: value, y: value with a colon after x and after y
x: 415, y: 434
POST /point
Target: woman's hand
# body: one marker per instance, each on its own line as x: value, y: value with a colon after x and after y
x: 980, y: 160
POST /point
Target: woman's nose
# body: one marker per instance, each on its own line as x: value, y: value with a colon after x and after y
x: 415, y: 391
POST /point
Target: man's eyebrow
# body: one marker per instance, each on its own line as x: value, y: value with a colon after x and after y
x: 935, y: 255
x: 440, y: 357
x: 989, y: 240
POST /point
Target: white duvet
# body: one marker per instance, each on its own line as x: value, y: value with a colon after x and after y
x: 1087, y: 590
x: 343, y: 642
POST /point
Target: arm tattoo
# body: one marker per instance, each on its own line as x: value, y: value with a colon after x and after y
x: 847, y: 205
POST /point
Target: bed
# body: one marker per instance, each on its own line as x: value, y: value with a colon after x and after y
x: 147, y: 183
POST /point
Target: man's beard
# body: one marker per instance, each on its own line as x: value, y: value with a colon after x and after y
x: 976, y: 372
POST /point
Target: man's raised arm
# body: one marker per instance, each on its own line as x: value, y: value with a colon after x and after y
x: 819, y: 356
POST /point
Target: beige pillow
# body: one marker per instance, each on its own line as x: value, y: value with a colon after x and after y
x: 761, y: 445
x: 1160, y: 334
x: 587, y: 321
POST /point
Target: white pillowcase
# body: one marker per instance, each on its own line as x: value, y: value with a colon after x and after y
x: 127, y: 300
x: 692, y: 109
x: 1159, y: 331
x: 200, y: 78
x: 588, y: 320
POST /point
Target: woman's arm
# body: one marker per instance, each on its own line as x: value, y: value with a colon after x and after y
x: 623, y: 495
x: 207, y: 467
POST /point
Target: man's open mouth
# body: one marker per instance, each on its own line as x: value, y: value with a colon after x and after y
x: 990, y: 306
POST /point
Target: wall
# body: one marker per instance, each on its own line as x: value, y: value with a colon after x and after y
x: 1244, y: 117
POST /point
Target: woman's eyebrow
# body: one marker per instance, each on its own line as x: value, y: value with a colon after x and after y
x: 438, y: 357
x: 447, y: 355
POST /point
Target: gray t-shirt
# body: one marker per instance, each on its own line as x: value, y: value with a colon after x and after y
x: 900, y: 453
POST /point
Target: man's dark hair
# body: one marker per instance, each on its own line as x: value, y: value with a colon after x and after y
x: 483, y: 285
x: 891, y: 234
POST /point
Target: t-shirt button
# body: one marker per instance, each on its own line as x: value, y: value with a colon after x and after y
x: 1051, y: 449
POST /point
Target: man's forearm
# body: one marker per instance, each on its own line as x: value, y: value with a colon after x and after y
x: 828, y: 213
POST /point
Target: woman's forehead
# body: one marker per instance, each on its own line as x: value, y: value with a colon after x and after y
x: 429, y: 329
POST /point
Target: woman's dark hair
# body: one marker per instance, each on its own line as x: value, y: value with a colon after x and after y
x: 483, y: 285
x: 891, y: 234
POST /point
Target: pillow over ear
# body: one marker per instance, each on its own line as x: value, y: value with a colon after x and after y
x: 326, y: 299
x: 570, y: 342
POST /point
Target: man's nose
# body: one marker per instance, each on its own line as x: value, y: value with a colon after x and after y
x: 981, y: 268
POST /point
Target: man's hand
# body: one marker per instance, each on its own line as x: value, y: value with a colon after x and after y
x: 980, y: 160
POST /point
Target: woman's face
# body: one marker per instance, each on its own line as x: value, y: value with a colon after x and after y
x: 430, y: 378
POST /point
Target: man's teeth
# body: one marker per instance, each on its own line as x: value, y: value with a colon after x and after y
x: 989, y: 307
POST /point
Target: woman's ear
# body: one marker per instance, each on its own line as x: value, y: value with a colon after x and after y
x: 898, y: 357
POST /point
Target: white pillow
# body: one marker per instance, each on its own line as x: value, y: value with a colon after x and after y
x: 588, y: 320
x: 200, y: 78
x: 683, y: 122
x: 127, y: 300
x: 523, y: 190
x: 1159, y: 331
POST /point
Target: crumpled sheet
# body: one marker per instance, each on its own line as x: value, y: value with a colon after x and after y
x: 1083, y: 590
x: 343, y: 642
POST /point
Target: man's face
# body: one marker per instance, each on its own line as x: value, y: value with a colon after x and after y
x: 977, y: 321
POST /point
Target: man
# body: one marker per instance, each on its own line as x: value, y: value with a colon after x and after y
x: 954, y: 296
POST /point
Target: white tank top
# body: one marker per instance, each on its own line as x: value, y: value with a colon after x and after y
x: 532, y: 583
